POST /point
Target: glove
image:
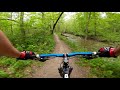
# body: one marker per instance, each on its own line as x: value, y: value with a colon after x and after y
x: 27, y: 55
x: 106, y: 52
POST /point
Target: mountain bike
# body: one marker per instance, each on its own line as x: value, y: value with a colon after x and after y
x: 65, y: 69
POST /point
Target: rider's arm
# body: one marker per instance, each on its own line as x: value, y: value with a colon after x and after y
x: 117, y: 51
x: 7, y: 49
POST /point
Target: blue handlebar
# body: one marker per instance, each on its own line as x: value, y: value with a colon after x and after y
x: 79, y: 53
x: 61, y: 55
x: 51, y: 55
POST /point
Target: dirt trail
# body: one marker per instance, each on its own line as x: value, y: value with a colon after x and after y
x: 50, y: 68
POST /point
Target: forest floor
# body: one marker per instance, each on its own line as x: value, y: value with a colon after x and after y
x: 50, y: 67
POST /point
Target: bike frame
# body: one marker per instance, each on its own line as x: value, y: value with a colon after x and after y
x: 65, y: 69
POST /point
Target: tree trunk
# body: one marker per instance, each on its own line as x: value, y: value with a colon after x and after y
x: 56, y: 22
x: 86, y: 31
x: 42, y: 17
x: 87, y: 24
x: 95, y: 23
x: 11, y: 23
x: 22, y: 26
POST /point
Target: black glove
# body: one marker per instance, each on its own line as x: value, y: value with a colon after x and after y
x: 27, y: 55
x: 106, y: 52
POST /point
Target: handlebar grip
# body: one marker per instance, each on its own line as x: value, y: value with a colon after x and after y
x: 37, y: 55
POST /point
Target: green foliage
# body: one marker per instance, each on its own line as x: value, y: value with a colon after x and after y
x: 20, y: 65
x: 5, y: 62
x: 101, y: 28
x: 105, y: 68
x: 3, y: 74
x: 30, y: 33
x: 12, y: 68
x: 31, y: 47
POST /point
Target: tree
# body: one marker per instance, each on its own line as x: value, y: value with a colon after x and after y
x: 87, y: 23
x: 11, y: 24
x: 56, y: 22
x: 22, y: 26
x: 95, y: 23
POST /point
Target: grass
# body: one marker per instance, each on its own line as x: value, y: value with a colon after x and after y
x: 10, y: 68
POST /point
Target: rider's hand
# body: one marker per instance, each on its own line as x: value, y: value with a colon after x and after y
x: 27, y: 55
x: 106, y: 52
